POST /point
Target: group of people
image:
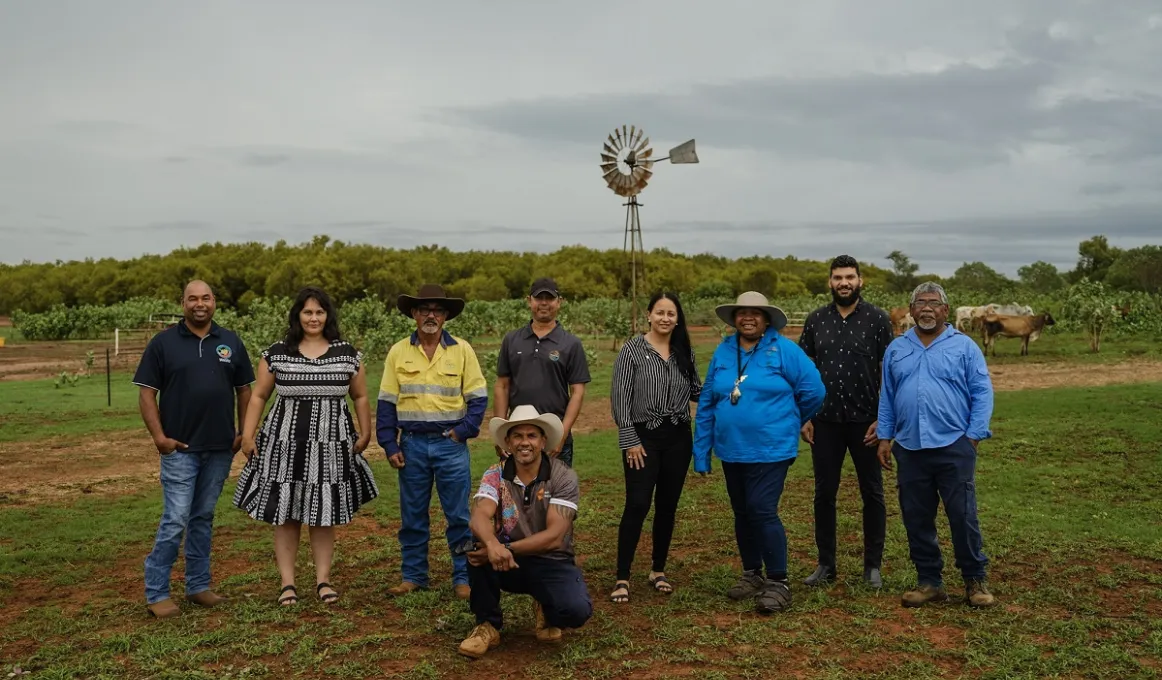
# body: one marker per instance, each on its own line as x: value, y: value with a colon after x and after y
x: 847, y: 385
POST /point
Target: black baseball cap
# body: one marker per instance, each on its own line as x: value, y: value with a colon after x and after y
x: 544, y: 285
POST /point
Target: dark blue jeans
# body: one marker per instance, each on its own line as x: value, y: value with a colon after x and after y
x: 556, y: 584
x: 566, y: 456
x: 432, y: 458
x: 190, y: 486
x: 755, y: 489
x: 926, y: 477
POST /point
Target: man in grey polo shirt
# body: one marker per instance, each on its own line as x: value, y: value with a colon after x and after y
x: 544, y: 366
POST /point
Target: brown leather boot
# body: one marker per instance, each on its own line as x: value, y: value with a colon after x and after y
x: 164, y: 609
x: 482, y: 638
x: 206, y: 598
x: 976, y: 594
x: 403, y: 589
x: 923, y: 595
x: 545, y: 632
x: 462, y: 591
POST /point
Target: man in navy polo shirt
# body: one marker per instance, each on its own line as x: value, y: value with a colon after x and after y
x: 198, y: 367
x: 542, y: 365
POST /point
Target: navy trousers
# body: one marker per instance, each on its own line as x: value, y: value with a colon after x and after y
x: 556, y: 584
x: 755, y: 490
x: 925, y: 478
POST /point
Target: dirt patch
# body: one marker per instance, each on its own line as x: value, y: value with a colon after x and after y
x: 39, y: 360
x: 1010, y: 377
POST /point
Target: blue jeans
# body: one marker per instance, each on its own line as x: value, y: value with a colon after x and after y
x: 428, y: 458
x: 190, y: 486
x: 557, y: 585
x: 926, y: 477
x: 755, y: 489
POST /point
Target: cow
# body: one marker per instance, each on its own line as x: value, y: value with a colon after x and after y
x: 973, y: 315
x: 901, y: 319
x: 1027, y: 328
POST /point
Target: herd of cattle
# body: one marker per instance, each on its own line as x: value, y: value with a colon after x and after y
x: 992, y: 320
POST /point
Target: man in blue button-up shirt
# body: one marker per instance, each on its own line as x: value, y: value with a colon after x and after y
x: 936, y: 400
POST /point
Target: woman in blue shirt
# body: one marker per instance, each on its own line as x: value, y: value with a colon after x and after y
x: 759, y: 389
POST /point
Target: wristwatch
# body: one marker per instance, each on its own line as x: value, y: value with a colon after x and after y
x: 508, y: 546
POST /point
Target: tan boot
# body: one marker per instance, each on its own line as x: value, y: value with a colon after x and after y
x: 164, y: 609
x: 545, y: 632
x: 923, y: 595
x: 482, y: 638
x: 462, y: 591
x: 976, y: 594
x: 206, y: 598
x: 403, y: 589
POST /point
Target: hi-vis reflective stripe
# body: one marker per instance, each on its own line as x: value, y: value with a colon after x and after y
x: 388, y: 397
x: 431, y: 416
x: 420, y: 388
x: 475, y: 394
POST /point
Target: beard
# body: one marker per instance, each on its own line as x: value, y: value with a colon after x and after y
x: 845, y: 300
x: 927, y: 324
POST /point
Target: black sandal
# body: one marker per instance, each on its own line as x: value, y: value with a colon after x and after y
x: 620, y: 599
x: 289, y: 599
x: 658, y: 580
x: 329, y: 597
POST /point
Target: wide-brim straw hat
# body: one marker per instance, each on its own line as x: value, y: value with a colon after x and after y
x: 753, y: 300
x: 430, y: 292
x: 527, y: 414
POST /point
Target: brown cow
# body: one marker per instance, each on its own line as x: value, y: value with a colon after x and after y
x: 1027, y: 328
x: 901, y: 319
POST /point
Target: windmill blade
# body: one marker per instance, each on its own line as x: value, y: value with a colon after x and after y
x: 612, y: 145
x: 608, y: 158
x: 617, y: 133
x: 643, y: 145
x: 612, y: 174
x: 625, y: 134
x: 609, y: 149
x: 635, y: 136
x: 646, y: 154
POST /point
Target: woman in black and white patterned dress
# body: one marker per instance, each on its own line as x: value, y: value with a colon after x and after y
x: 306, y: 464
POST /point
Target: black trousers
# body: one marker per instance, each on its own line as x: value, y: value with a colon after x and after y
x: 669, y: 450
x: 832, y: 441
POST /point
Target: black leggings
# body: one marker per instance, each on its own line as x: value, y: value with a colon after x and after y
x: 669, y: 449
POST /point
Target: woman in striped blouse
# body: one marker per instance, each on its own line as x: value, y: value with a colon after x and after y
x: 654, y: 380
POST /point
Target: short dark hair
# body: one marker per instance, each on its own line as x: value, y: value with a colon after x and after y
x: 845, y: 261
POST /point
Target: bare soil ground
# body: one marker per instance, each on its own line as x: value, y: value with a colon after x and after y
x: 40, y: 360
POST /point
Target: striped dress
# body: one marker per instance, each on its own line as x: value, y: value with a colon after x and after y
x: 306, y: 469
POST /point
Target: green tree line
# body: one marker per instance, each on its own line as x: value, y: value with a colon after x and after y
x: 245, y: 272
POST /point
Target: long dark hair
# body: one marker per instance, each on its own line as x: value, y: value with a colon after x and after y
x: 294, y: 331
x: 679, y: 337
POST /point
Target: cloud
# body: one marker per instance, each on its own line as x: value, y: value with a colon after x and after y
x: 1103, y: 188
x: 265, y: 159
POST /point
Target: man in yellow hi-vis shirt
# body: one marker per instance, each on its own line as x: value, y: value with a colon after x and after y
x: 431, y: 402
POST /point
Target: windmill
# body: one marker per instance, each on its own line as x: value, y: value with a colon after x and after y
x: 626, y: 164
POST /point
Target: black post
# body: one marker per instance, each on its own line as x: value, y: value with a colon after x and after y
x: 108, y: 380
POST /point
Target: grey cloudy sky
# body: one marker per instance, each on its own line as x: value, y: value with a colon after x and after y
x: 999, y: 130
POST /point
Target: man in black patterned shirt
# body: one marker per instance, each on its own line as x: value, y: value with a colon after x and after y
x: 847, y: 339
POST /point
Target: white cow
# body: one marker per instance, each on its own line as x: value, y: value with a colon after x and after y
x: 972, y: 315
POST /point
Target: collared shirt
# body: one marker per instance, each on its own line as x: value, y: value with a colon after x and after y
x: 542, y: 369
x: 197, y: 378
x: 932, y: 396
x: 780, y: 390
x: 847, y: 352
x: 420, y: 395
x: 522, y: 511
x: 648, y: 390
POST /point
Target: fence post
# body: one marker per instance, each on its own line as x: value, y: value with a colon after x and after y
x: 108, y: 380
x: 116, y: 341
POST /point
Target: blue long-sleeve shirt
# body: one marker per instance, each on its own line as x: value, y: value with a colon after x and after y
x: 781, y: 391
x: 932, y: 396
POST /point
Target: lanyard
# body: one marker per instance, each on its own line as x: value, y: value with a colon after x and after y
x: 742, y: 366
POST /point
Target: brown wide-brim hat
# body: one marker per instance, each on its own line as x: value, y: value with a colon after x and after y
x: 430, y: 292
x: 755, y: 301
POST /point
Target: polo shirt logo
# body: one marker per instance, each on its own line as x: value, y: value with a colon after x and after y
x: 554, y: 355
x: 224, y: 353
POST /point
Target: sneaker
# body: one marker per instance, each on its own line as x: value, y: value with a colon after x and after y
x: 822, y: 576
x: 872, y: 577
x: 976, y: 594
x: 775, y: 597
x: 923, y: 595
x: 748, y: 586
x: 545, y: 632
x: 482, y: 638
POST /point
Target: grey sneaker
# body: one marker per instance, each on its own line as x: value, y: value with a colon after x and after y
x: 749, y: 585
x: 775, y: 597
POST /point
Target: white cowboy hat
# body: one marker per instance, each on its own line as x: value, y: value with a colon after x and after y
x: 527, y: 414
x: 754, y: 300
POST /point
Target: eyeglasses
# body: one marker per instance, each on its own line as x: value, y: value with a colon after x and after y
x: 930, y: 304
x: 430, y: 311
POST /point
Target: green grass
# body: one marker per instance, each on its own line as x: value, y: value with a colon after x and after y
x: 10, y: 335
x: 1069, y: 506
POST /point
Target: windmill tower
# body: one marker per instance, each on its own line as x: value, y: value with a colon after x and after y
x: 627, y: 166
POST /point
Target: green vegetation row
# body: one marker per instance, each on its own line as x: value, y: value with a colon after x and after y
x: 243, y: 272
